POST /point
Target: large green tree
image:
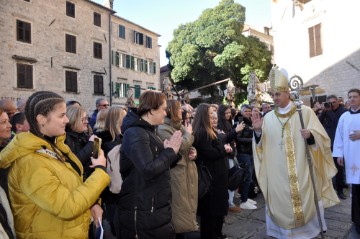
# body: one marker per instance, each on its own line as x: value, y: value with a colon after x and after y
x: 212, y: 48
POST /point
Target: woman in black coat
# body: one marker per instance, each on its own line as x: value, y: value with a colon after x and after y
x: 111, y: 136
x: 77, y: 137
x: 144, y: 209
x: 212, y: 207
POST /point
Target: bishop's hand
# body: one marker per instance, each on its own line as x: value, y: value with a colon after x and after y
x: 257, y: 121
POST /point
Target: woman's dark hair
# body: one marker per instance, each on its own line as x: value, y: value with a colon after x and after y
x: 201, y: 124
x: 233, y: 114
x: 17, y: 118
x: 150, y: 100
x: 41, y: 102
x: 224, y: 124
x: 184, y: 116
x: 72, y: 102
x: 172, y: 109
x: 318, y: 112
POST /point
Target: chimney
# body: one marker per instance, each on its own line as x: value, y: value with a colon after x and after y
x: 109, y: 4
x: 267, y: 30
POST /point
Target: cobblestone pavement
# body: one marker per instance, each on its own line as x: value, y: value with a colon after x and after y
x: 251, y: 223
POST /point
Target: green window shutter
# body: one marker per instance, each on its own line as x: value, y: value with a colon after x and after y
x: 128, y: 61
x: 132, y: 62
x: 117, y: 89
x: 112, y: 57
x: 154, y: 67
x: 145, y: 66
x: 122, y: 31
x: 117, y: 58
x: 125, y: 89
x: 137, y: 91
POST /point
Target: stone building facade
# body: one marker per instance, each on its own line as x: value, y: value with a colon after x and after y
x: 315, y: 40
x: 135, y: 60
x: 60, y: 46
x: 64, y: 46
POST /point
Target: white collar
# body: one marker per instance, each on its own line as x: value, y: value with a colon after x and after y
x: 355, y: 110
x: 286, y: 109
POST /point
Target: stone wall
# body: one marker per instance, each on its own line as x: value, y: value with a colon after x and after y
x: 46, y: 52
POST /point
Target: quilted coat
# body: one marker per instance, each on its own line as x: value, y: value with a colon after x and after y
x: 48, y: 196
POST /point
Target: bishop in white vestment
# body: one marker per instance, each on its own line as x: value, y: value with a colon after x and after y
x: 282, y: 169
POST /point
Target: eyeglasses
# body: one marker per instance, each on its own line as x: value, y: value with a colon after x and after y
x: 104, y: 105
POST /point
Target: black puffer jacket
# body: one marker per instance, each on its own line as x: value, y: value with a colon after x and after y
x: 107, y: 142
x: 144, y: 209
x: 109, y: 200
x: 244, y: 139
x: 81, y: 146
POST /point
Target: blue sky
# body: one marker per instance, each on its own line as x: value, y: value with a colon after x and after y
x: 163, y: 16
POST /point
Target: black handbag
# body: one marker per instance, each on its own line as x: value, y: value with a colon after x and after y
x: 237, y: 175
x: 204, y: 178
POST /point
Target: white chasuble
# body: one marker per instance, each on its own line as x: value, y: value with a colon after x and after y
x: 282, y: 168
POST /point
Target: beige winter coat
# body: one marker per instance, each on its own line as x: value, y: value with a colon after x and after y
x: 184, y: 181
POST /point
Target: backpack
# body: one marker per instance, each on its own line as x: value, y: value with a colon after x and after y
x: 113, y: 169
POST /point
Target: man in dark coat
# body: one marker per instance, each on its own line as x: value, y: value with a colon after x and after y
x: 245, y: 155
x: 329, y: 118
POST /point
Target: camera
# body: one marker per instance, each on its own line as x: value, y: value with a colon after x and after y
x: 327, y: 105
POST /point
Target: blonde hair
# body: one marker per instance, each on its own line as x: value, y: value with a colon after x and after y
x: 100, y: 120
x: 114, y: 120
x: 75, y: 114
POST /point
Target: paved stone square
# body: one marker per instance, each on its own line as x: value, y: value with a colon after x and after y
x: 251, y: 223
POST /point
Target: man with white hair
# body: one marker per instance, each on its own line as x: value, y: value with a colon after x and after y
x: 282, y: 169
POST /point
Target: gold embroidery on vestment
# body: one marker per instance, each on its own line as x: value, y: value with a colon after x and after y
x: 293, y: 179
x: 287, y: 115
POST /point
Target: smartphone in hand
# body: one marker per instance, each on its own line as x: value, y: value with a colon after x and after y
x: 96, y: 148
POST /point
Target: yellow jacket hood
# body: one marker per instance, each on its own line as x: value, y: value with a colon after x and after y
x: 27, y: 143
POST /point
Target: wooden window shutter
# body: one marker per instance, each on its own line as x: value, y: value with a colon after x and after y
x: 315, y: 46
x: 311, y: 42
x: 318, y: 46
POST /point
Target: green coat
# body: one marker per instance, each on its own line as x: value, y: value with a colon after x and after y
x: 184, y: 181
x: 48, y: 196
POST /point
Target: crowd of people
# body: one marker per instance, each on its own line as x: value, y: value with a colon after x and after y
x: 52, y: 186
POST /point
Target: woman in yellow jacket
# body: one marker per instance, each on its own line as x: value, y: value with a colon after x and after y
x: 48, y: 196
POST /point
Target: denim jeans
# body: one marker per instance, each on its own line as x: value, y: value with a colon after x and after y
x: 246, y: 158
